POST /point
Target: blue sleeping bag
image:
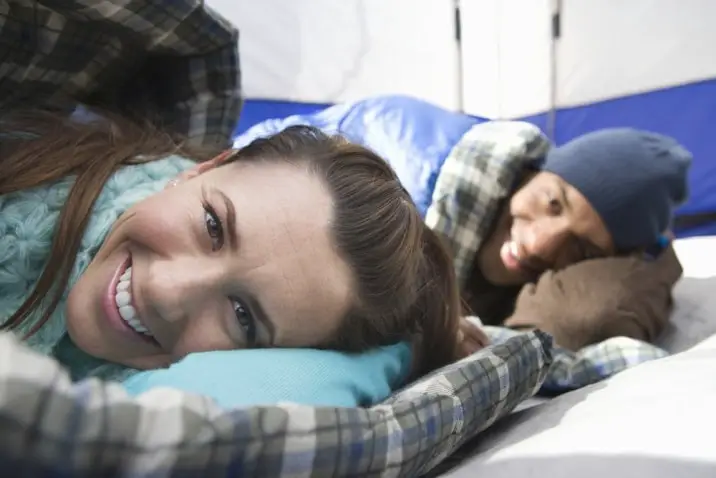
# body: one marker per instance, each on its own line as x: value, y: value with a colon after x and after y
x: 414, y: 136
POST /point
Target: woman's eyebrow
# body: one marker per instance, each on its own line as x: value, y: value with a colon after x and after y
x: 230, y: 221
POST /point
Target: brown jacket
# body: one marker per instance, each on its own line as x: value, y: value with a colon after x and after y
x: 594, y: 300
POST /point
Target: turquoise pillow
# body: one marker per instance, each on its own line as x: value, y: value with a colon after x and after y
x: 240, y: 378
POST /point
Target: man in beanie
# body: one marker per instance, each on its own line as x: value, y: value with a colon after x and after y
x: 571, y: 239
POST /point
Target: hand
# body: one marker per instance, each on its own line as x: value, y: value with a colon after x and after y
x: 470, y: 338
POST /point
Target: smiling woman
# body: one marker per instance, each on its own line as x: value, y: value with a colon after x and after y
x: 151, y: 251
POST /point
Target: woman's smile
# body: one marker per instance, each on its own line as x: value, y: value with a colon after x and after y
x: 117, y: 304
x: 120, y: 309
x: 125, y: 306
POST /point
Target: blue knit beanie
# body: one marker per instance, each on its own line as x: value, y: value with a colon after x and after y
x: 634, y: 179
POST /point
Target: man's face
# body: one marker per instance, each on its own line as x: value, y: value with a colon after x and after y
x: 547, y: 224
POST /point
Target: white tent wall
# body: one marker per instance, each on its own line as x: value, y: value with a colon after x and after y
x: 614, y: 48
x: 648, y: 64
x: 329, y: 51
x: 607, y: 49
x: 505, y: 52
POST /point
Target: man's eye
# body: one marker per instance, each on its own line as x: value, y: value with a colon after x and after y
x: 214, y: 228
x: 246, y: 322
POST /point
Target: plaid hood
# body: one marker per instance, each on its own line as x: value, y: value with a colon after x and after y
x: 479, y: 172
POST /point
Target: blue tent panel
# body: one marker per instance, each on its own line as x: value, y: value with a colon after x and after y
x: 687, y: 113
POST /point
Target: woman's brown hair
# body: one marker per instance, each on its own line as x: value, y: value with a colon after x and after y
x: 405, y: 287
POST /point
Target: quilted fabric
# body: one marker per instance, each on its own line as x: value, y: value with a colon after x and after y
x: 573, y: 370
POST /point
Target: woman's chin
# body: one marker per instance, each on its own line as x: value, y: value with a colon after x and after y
x: 88, y: 336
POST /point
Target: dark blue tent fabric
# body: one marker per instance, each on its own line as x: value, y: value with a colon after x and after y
x: 414, y: 136
x: 687, y: 113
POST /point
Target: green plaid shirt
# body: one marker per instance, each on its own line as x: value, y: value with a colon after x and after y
x: 176, y: 59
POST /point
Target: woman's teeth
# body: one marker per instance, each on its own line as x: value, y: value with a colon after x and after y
x: 123, y: 299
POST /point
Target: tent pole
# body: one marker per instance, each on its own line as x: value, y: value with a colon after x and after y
x: 459, y: 66
x: 556, y: 20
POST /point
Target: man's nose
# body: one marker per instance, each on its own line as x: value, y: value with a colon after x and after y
x: 544, y: 239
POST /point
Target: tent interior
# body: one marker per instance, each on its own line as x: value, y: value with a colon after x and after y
x: 569, y: 66
x: 314, y: 324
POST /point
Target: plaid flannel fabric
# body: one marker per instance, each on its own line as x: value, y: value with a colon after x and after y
x: 185, y: 53
x: 480, y: 171
x: 51, y: 427
x: 591, y: 364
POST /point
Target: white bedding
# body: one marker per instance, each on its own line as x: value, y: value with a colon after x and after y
x: 694, y: 316
x: 656, y: 420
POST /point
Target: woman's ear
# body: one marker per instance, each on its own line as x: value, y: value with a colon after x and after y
x: 201, y: 168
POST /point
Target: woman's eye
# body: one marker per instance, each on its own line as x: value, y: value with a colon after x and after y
x: 246, y: 322
x: 214, y: 228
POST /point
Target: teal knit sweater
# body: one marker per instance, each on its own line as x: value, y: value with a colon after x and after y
x: 28, y: 220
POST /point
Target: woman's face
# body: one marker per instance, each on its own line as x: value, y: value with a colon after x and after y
x: 238, y: 256
x: 548, y: 224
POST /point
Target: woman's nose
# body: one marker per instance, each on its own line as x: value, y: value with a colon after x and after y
x: 175, y: 287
